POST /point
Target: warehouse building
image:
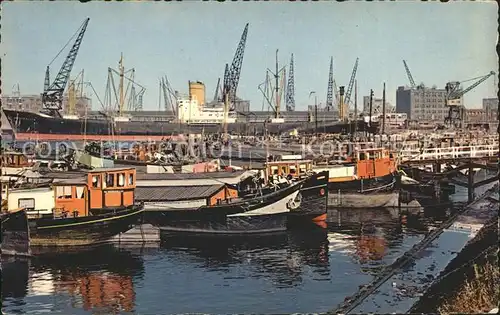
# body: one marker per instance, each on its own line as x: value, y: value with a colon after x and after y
x: 33, y: 103
x: 422, y: 103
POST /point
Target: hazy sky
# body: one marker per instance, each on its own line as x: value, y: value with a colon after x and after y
x: 192, y: 40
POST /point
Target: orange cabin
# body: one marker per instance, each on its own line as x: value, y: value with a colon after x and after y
x: 140, y: 150
x: 225, y: 194
x: 96, y: 190
x: 296, y: 168
x: 110, y: 292
x: 374, y: 163
x: 15, y: 159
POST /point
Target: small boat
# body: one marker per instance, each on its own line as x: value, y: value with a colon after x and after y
x: 15, y: 233
x: 313, y: 197
x: 367, y: 178
x: 14, y: 165
x: 363, y: 171
x: 86, y: 208
x: 233, y: 216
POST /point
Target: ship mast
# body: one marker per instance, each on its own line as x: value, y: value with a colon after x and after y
x: 122, y: 97
x: 226, y: 110
x: 277, y: 91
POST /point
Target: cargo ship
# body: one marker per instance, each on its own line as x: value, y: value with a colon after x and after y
x: 193, y: 116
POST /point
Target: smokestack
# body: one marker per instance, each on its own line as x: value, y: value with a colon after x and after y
x: 341, y: 107
x: 355, y: 106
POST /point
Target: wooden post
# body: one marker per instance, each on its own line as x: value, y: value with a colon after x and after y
x: 470, y: 185
x: 437, y: 167
x: 437, y: 189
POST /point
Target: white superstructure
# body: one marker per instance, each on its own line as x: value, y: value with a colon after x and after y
x: 192, y: 112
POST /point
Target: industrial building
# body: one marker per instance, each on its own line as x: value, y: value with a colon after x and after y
x: 490, y: 104
x: 490, y: 107
x: 488, y: 113
x: 422, y: 103
x: 376, y: 105
x: 33, y: 103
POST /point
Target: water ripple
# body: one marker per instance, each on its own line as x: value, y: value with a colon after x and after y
x: 296, y: 272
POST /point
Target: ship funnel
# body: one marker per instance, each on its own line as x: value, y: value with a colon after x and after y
x: 197, y: 90
x: 342, y: 107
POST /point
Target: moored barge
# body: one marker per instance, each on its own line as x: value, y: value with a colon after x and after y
x: 89, y: 208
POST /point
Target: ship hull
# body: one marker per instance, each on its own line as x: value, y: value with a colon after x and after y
x: 81, y: 231
x: 15, y: 234
x: 30, y: 126
x: 256, y: 216
x: 374, y: 184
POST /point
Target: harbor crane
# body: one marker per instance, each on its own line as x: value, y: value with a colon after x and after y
x: 217, y: 88
x: 329, y: 92
x: 344, y: 105
x: 454, y: 99
x: 410, y: 77
x: 413, y: 85
x: 290, y: 89
x: 351, y: 83
x: 52, y: 96
x: 232, y: 74
x: 169, y: 96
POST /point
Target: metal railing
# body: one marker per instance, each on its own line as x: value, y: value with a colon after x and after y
x: 460, y: 152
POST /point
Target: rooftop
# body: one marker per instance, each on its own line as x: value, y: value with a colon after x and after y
x: 180, y: 176
x: 176, y: 193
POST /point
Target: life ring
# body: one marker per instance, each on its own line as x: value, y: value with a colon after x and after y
x: 322, y: 192
x: 44, y: 149
x: 294, y: 204
x: 63, y: 148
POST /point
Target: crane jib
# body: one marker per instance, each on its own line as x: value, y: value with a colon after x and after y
x: 52, y: 96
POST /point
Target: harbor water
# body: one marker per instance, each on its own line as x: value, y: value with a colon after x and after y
x: 302, y: 271
x: 307, y: 270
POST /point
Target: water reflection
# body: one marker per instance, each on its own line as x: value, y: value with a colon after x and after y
x: 281, y: 257
x: 15, y: 278
x: 214, y: 275
x: 100, y: 279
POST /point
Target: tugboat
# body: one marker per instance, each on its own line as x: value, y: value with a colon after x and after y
x: 233, y: 215
x: 313, y: 196
x: 366, y: 179
x: 83, y: 209
x: 256, y: 204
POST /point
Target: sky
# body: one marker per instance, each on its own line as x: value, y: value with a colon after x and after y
x: 193, y: 40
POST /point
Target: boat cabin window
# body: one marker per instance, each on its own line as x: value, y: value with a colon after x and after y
x: 283, y: 170
x: 121, y: 180
x: 63, y: 192
x: 96, y: 180
x: 80, y: 192
x: 362, y: 156
x: 274, y: 170
x: 26, y: 203
x: 110, y: 180
x: 302, y: 168
x: 130, y: 179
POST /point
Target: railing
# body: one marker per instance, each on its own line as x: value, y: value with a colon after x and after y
x: 462, y: 152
